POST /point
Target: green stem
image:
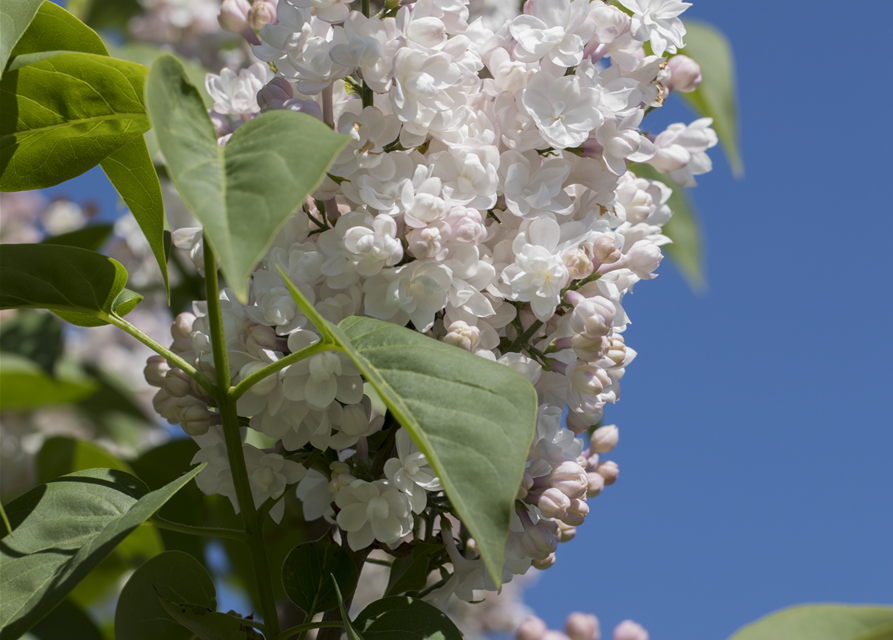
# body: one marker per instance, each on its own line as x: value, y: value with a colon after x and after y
x: 161, y: 523
x: 307, y: 627
x: 239, y: 390
x: 525, y: 337
x: 366, y: 91
x: 169, y: 355
x: 233, y: 439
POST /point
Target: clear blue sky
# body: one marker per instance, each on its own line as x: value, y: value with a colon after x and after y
x: 756, y: 447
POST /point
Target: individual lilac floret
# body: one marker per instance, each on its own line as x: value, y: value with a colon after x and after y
x: 236, y: 94
x: 658, y: 21
x: 411, y: 473
x: 373, y: 511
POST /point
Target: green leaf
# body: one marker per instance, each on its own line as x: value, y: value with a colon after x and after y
x: 208, y: 624
x: 24, y: 386
x: 349, y: 629
x: 81, y: 286
x: 822, y: 622
x: 34, y: 335
x: 65, y: 622
x: 411, y: 573
x: 457, y: 407
x: 61, y: 531
x: 55, y: 29
x: 684, y: 229
x: 139, y: 614
x: 14, y: 20
x: 306, y: 571
x: 60, y: 456
x: 145, y: 54
x: 65, y: 114
x: 717, y: 96
x: 132, y: 173
x: 244, y: 192
x: 100, y: 14
x: 90, y: 238
x: 403, y: 618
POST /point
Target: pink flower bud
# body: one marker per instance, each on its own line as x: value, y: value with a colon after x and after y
x: 310, y: 107
x: 566, y: 533
x: 262, y: 13
x: 591, y: 462
x: 595, y: 484
x: 233, y: 16
x: 685, y: 74
x: 177, y: 383
x: 275, y: 94
x: 582, y: 626
x: 155, y: 370
x: 553, y: 504
x: 642, y: 259
x: 580, y: 422
x: 605, y: 251
x: 617, y: 351
x: 569, y: 478
x: 539, y: 540
x: 604, y: 439
x: 182, y: 325
x: 531, y: 628
x: 259, y: 337
x: 165, y: 405
x: 463, y: 336
x: 576, y: 513
x: 609, y: 471
x: 629, y: 630
x: 547, y: 563
x: 589, y: 349
x: 195, y: 419
x: 593, y: 317
x: 579, y: 264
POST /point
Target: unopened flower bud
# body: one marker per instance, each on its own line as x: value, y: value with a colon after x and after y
x: 566, y: 533
x: 593, y: 317
x: 685, y: 74
x: 275, y: 94
x: 579, y: 264
x: 604, y: 439
x: 582, y: 626
x: 539, y: 540
x: 181, y: 328
x: 609, y: 471
x: 526, y: 484
x: 165, y: 405
x: 576, y: 513
x: 339, y: 468
x: 310, y: 107
x: 581, y: 422
x: 531, y: 628
x: 262, y: 13
x: 195, y: 419
x: 642, y: 259
x: 553, y: 504
x: 569, y: 478
x: 233, y: 16
x: 177, y: 383
x: 595, y: 484
x: 617, y: 351
x: 629, y: 630
x: 339, y: 482
x: 155, y: 370
x: 259, y: 337
x: 547, y: 563
x: 605, y: 250
x: 591, y: 462
x: 463, y: 336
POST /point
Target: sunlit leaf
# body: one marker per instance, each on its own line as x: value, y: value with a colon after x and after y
x: 14, y: 20
x: 55, y: 29
x: 822, y: 622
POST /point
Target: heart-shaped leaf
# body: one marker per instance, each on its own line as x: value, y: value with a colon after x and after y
x: 307, y: 571
x: 84, y: 287
x: 139, y: 615
x: 717, y: 96
x: 64, y: 114
x: 244, y: 192
x: 822, y: 622
x: 61, y: 531
x: 402, y: 618
x: 472, y: 418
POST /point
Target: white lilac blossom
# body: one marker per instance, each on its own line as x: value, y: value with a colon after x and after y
x: 486, y: 199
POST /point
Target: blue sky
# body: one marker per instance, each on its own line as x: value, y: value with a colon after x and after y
x: 756, y: 449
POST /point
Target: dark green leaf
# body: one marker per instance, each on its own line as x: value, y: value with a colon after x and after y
x: 411, y: 573
x: 65, y: 622
x: 24, y: 386
x: 176, y: 575
x: 14, y: 20
x: 34, y: 335
x: 208, y: 624
x: 822, y: 622
x: 349, y: 629
x: 717, y: 96
x: 60, y: 456
x: 61, y: 531
x: 82, y: 285
x: 684, y: 229
x: 457, y: 407
x: 132, y: 173
x: 306, y: 575
x: 221, y: 185
x: 90, y: 238
x: 55, y: 29
x: 402, y: 618
x: 64, y: 115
